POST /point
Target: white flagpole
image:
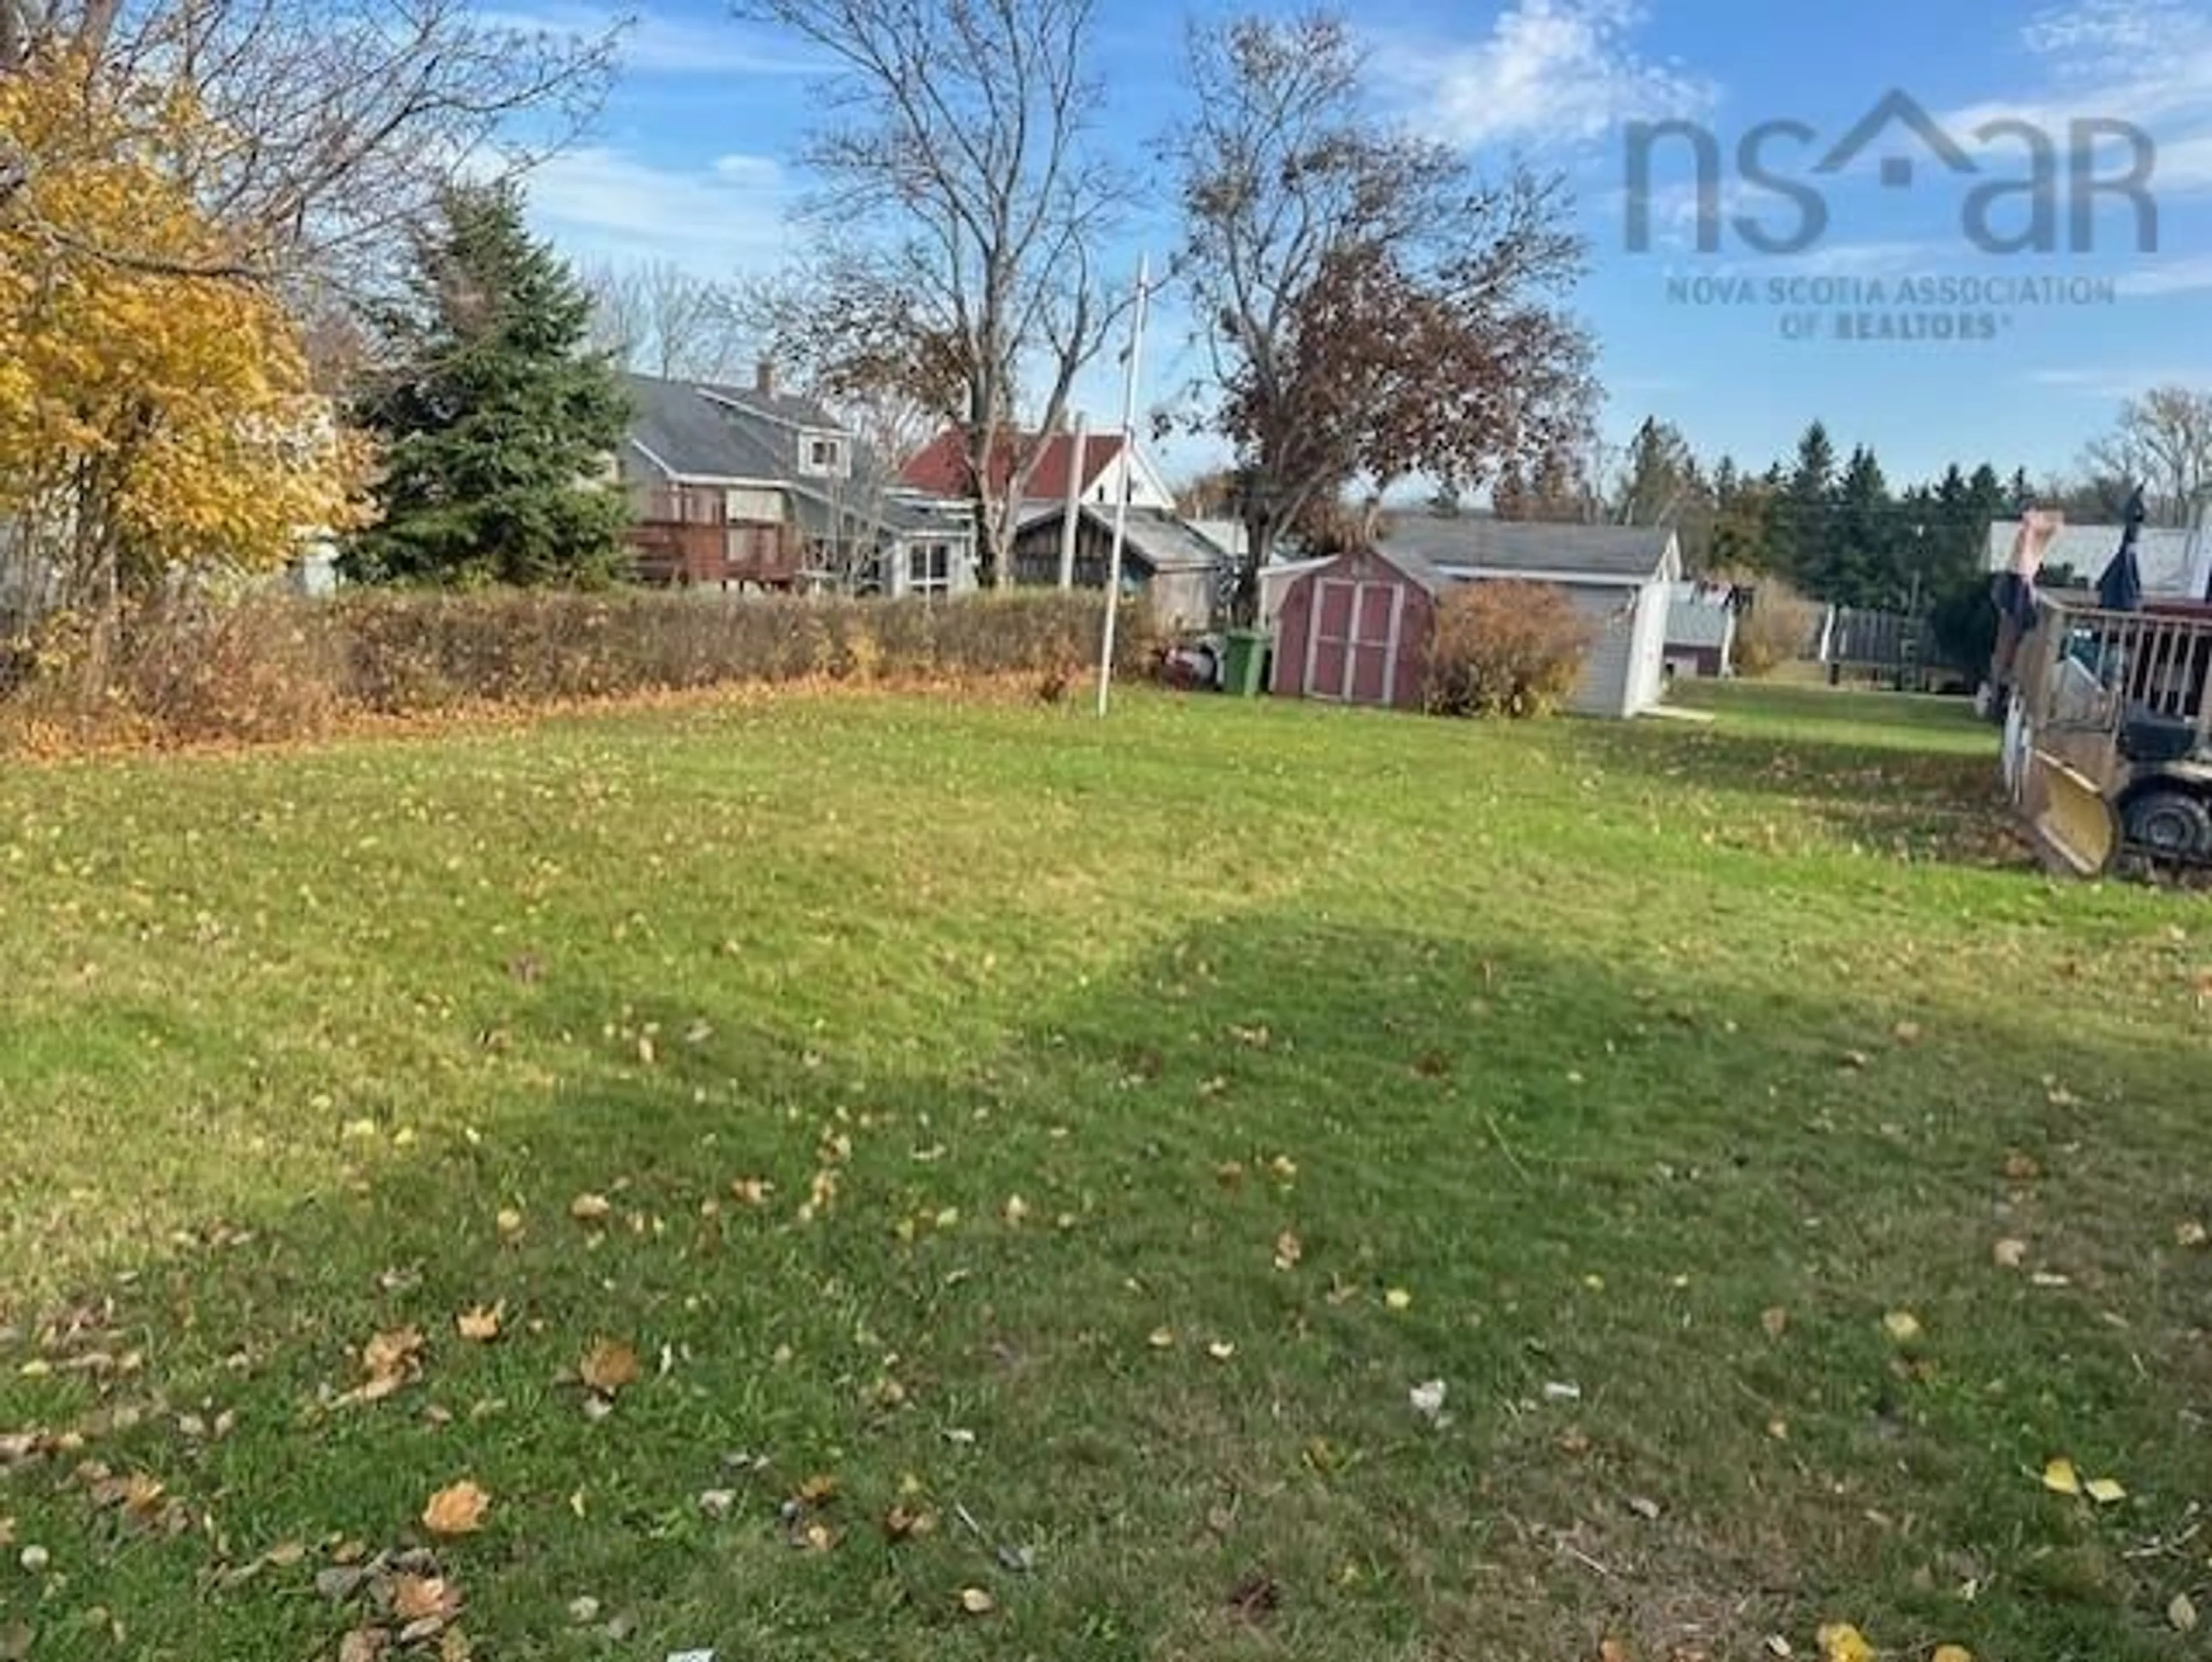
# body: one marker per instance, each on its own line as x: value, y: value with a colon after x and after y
x: 1128, y: 466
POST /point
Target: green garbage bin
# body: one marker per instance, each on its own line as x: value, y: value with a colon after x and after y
x: 1245, y: 663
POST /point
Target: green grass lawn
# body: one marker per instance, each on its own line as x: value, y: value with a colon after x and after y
x: 1084, y: 1139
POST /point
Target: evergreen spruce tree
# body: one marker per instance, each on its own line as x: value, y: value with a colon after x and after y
x: 1742, y: 505
x: 1859, y: 559
x: 1800, y: 519
x: 495, y: 420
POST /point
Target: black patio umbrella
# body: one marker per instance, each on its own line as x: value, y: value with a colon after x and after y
x: 2120, y: 589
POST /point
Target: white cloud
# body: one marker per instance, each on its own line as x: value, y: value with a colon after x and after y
x: 1549, y: 72
x: 2109, y: 385
x: 1869, y: 259
x: 2085, y: 31
x: 751, y: 172
x: 2144, y: 62
x: 2173, y: 276
x: 600, y: 203
x: 655, y: 42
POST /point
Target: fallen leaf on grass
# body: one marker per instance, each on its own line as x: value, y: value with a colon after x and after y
x: 509, y: 1222
x: 2181, y: 1613
x: 458, y: 1509
x: 1016, y: 1211
x: 390, y: 1359
x: 1398, y: 1298
x: 2021, y: 1169
x: 480, y: 1325
x: 1645, y: 1507
x: 1161, y: 1338
x: 1902, y: 1325
x: 1229, y: 1174
x: 590, y: 1208
x: 2009, y: 1253
x: 2192, y: 1234
x: 2104, y: 1491
x: 1428, y: 1400
x: 608, y: 1367
x: 1288, y: 1251
x: 977, y: 1601
x: 902, y: 1522
x: 1952, y: 1653
x: 819, y: 1488
x: 2060, y: 1477
x: 1775, y: 1320
x: 364, y: 1645
x: 424, y: 1598
x: 1907, y: 1033
x: 1842, y: 1643
x: 1221, y: 1349
x: 751, y: 1191
x: 1611, y: 1650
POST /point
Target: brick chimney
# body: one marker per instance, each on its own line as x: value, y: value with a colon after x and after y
x: 764, y: 378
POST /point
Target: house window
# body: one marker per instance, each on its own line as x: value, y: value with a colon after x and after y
x: 929, y: 568
x: 823, y: 454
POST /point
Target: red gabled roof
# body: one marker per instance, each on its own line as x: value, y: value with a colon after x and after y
x: 940, y: 467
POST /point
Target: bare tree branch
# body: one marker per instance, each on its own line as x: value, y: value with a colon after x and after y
x: 661, y: 320
x: 2162, y: 442
x: 961, y: 192
x: 332, y: 125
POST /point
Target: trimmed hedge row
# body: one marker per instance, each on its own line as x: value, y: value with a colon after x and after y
x: 269, y: 667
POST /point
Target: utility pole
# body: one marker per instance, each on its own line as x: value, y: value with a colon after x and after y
x: 1129, y: 357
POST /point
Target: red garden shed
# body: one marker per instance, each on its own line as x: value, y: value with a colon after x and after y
x: 1356, y: 629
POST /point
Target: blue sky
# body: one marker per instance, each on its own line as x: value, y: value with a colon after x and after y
x: 691, y: 162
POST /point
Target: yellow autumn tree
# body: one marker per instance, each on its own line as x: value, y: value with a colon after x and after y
x: 155, y: 407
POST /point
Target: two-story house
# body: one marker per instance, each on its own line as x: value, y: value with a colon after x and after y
x: 739, y: 488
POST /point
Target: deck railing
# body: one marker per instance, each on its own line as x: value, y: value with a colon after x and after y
x: 2094, y: 671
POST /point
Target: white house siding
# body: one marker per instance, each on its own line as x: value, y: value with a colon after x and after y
x: 1647, y: 679
x: 1147, y: 488
x: 1603, y: 690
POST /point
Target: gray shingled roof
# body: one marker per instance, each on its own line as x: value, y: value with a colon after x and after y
x: 785, y: 408
x: 1626, y: 553
x: 693, y: 437
x: 1695, y: 623
x: 1162, y: 540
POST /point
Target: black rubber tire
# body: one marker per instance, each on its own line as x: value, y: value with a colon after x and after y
x: 2173, y: 825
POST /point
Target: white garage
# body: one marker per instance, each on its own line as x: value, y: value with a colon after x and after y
x: 1621, y: 576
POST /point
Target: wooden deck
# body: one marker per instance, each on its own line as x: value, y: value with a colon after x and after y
x: 684, y: 537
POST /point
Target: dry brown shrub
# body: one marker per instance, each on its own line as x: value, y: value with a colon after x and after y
x: 1504, y: 648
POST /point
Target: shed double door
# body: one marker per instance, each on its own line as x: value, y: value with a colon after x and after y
x: 1352, y: 644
